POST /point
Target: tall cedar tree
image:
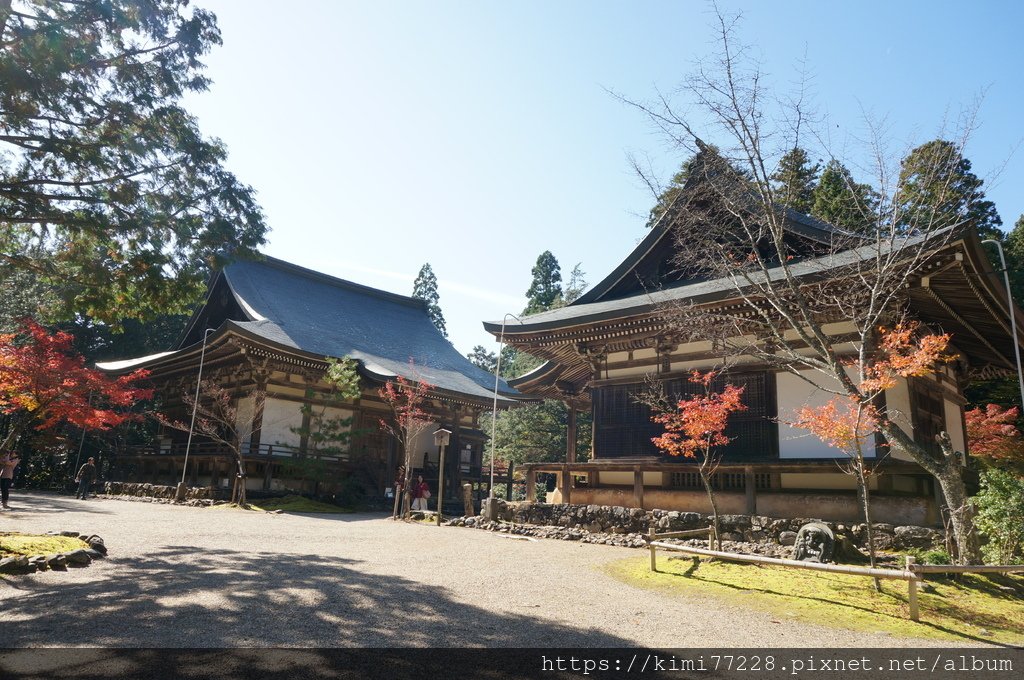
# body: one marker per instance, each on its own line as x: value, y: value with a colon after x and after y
x: 546, y: 287
x: 795, y: 179
x: 839, y: 200
x: 425, y: 288
x: 939, y: 190
x: 731, y: 230
x: 108, y: 190
x: 44, y: 383
x: 538, y: 432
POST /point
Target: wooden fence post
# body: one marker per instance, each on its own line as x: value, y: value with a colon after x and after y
x: 654, y: 562
x: 915, y: 614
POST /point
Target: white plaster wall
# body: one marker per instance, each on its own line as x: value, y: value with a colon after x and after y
x: 425, y: 442
x: 793, y: 394
x: 278, y: 416
x: 243, y: 419
x: 955, y: 425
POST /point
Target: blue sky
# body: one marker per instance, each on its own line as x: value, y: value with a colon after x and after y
x: 475, y: 135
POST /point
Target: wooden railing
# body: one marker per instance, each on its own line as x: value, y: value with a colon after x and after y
x: 912, y: 573
x: 254, y: 451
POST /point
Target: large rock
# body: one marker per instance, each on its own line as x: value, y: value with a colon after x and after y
x: 787, y: 537
x: 916, y: 537
x: 77, y: 558
x: 96, y: 543
x: 18, y: 564
x: 56, y: 562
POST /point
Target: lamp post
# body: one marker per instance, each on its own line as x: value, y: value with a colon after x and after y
x: 441, y: 438
x: 180, y: 493
x: 490, y: 511
x: 1013, y: 316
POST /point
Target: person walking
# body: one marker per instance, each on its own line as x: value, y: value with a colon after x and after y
x: 8, y: 461
x: 85, y: 478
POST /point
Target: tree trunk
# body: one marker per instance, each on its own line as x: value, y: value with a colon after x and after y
x: 865, y: 506
x: 706, y: 478
x: 948, y: 472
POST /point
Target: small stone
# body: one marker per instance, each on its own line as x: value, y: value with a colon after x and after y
x: 72, y: 534
x: 787, y: 537
x: 94, y: 554
x: 98, y: 546
x: 56, y: 562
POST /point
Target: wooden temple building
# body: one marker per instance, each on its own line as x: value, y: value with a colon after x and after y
x: 264, y: 333
x: 602, y: 350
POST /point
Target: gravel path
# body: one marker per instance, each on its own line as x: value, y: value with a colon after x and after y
x: 194, y: 577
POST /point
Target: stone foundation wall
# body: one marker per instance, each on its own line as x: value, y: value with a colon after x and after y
x: 735, y: 527
x: 829, y: 506
x: 157, y: 491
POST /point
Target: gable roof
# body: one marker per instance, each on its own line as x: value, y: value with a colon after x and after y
x: 293, y: 307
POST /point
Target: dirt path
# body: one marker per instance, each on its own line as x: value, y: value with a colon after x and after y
x: 191, y: 577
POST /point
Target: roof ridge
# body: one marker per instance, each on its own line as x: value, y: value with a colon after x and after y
x: 308, y: 273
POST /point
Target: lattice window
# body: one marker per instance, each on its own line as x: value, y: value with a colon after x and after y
x: 623, y: 427
x: 720, y: 481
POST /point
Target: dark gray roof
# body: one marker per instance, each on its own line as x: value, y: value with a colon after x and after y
x: 701, y: 291
x: 320, y: 314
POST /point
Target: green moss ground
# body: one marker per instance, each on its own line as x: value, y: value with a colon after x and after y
x: 981, y: 608
x: 12, y: 544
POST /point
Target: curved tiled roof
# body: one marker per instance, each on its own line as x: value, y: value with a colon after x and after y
x: 297, y: 307
x: 288, y: 306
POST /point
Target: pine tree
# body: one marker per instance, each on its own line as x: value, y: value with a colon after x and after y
x: 795, y: 179
x: 840, y: 201
x: 938, y: 189
x: 546, y: 288
x: 425, y: 288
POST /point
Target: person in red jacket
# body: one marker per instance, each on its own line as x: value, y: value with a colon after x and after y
x: 420, y: 493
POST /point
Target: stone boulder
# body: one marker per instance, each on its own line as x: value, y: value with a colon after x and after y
x: 916, y: 537
x: 18, y: 564
x: 77, y: 558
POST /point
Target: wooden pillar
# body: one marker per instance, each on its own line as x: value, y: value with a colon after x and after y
x: 531, y: 485
x: 508, y: 482
x: 268, y: 472
x: 259, y: 403
x: 638, y: 486
x: 915, y: 614
x: 750, y: 484
x: 570, y: 434
x: 566, y: 485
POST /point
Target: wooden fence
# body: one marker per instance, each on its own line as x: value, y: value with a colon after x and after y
x: 912, y: 573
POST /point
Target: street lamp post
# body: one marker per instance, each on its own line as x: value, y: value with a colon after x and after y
x: 1013, y: 316
x: 491, y: 511
x: 180, y: 493
x: 441, y: 438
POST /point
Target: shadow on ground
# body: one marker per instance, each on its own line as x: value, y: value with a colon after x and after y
x: 176, y: 597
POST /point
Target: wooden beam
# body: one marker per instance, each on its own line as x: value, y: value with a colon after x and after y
x: 566, y: 480
x: 531, y: 485
x: 638, y: 486
x: 750, y: 485
x: 570, y: 434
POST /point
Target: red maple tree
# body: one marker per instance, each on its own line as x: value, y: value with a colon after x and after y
x: 407, y: 399
x: 992, y: 434
x: 849, y: 422
x: 695, y: 428
x: 45, y: 383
